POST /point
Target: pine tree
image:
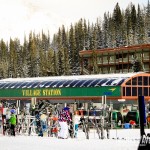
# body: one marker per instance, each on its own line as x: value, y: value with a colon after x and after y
x: 4, y: 64
x: 19, y: 58
x: 94, y: 63
x: 60, y: 54
x: 65, y: 51
x: 147, y: 23
x: 25, y: 55
x: 72, y: 50
x: 32, y: 59
x: 60, y: 63
x: 51, y: 63
x: 55, y: 60
x: 128, y: 26
x: 99, y: 34
x: 137, y: 64
x: 117, y: 18
x: 12, y: 60
x: 123, y: 41
x: 91, y: 37
x: 140, y: 27
x: 105, y: 31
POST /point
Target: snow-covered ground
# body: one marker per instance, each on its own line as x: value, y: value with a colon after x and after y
x: 120, y: 139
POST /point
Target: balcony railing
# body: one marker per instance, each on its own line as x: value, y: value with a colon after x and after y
x: 125, y: 70
x: 124, y: 60
x: 146, y: 69
x: 146, y: 58
x: 130, y: 70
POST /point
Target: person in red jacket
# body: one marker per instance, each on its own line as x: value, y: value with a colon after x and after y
x: 64, y: 118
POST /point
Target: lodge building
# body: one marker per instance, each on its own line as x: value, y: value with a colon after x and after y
x: 115, y: 60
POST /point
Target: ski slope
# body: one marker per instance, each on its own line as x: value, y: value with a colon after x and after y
x: 120, y: 139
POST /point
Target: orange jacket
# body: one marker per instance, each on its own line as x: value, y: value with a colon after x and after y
x: 148, y: 118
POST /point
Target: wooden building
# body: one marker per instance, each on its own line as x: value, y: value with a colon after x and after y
x: 115, y: 60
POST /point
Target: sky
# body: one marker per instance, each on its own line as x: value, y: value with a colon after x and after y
x: 19, y: 17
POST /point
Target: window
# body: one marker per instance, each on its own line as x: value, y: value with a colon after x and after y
x: 145, y: 80
x: 139, y: 91
x: 128, y: 91
x: 145, y: 91
x: 129, y: 82
x: 134, y: 91
x: 139, y: 80
x: 137, y: 86
x: 134, y: 81
x: 123, y: 91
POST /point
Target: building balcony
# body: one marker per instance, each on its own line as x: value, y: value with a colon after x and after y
x: 125, y: 70
x: 105, y: 71
x: 146, y: 58
x: 117, y: 71
x: 111, y: 61
x: 147, y: 69
x: 112, y: 71
x: 125, y: 59
x: 130, y: 70
x: 120, y: 60
x: 131, y: 59
x: 105, y: 62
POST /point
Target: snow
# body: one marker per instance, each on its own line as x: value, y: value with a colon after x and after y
x: 75, y: 77
x: 124, y: 139
x: 108, y: 80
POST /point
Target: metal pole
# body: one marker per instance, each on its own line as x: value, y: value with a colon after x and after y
x: 102, y: 122
x: 142, y: 114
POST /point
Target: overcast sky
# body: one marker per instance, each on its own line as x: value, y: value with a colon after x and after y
x: 19, y: 17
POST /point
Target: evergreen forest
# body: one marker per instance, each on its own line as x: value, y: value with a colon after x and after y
x: 42, y: 55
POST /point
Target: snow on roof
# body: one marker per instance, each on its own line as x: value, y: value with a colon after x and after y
x: 76, y: 77
x: 66, y: 81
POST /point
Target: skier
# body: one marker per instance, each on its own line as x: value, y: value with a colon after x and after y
x: 76, y: 121
x: 12, y: 122
x: 71, y: 129
x: 44, y: 119
x: 38, y: 123
x: 64, y: 118
x: 54, y: 126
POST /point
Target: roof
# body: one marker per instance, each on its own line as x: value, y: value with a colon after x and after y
x: 66, y: 81
x: 124, y: 48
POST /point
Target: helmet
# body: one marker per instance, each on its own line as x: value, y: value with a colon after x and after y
x: 13, y: 111
x: 66, y: 108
